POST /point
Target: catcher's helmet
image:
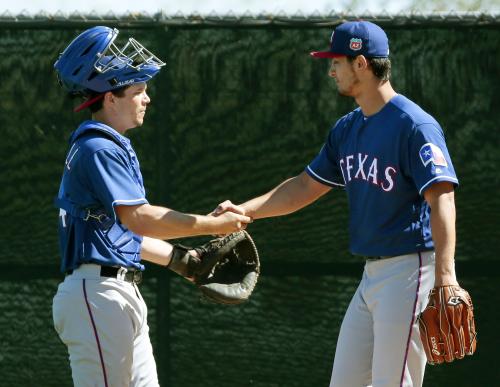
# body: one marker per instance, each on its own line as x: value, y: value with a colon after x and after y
x: 93, y: 63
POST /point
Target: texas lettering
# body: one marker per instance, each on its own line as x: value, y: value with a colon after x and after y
x: 364, y: 167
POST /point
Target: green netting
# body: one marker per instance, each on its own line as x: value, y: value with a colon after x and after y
x: 235, y: 112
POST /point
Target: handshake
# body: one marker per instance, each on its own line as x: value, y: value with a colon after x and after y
x: 228, y: 217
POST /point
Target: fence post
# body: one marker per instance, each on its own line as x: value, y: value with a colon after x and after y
x: 163, y: 363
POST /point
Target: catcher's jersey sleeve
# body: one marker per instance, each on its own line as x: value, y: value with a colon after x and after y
x: 325, y: 167
x: 112, y: 180
x: 429, y: 161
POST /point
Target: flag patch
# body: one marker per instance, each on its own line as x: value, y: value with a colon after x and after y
x: 432, y: 153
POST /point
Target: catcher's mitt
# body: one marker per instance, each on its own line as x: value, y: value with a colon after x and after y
x: 227, y: 270
x: 447, y: 327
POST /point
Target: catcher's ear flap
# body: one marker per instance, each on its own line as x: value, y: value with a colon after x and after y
x: 231, y: 294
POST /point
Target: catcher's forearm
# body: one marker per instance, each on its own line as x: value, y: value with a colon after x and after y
x: 156, y: 251
x: 181, y: 260
x: 164, y: 223
x: 289, y: 196
x: 444, y: 237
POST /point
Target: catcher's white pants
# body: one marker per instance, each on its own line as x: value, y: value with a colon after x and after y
x: 103, y: 322
x: 379, y: 341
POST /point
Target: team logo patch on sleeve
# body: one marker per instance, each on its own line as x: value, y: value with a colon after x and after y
x: 432, y: 153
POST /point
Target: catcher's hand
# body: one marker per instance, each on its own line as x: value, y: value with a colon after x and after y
x: 447, y: 327
x: 227, y: 270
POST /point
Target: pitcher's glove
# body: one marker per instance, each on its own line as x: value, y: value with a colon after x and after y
x: 227, y: 270
x: 447, y: 327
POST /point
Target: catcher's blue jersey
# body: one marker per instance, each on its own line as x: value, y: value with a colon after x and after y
x: 101, y: 171
x: 386, y: 161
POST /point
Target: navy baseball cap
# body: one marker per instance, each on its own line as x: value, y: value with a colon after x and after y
x: 357, y: 38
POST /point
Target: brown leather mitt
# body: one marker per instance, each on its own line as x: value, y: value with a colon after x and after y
x: 447, y: 327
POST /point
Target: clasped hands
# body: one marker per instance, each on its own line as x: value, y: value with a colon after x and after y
x: 230, y: 209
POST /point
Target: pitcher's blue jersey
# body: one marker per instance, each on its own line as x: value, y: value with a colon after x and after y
x: 101, y: 171
x: 386, y: 162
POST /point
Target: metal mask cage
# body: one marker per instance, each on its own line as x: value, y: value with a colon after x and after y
x: 133, y: 54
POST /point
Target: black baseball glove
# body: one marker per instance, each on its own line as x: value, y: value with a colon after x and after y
x: 227, y: 270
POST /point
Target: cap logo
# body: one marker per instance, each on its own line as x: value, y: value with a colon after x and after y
x: 355, y: 44
x: 331, y: 37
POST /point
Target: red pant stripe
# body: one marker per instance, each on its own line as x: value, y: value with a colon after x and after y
x: 96, y: 335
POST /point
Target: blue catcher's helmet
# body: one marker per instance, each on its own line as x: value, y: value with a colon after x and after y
x: 93, y: 63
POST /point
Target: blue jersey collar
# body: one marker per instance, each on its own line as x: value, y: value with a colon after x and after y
x: 89, y: 125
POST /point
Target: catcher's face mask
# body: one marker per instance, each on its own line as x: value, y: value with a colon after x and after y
x: 132, y: 55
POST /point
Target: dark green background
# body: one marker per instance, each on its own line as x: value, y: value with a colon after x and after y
x: 236, y: 111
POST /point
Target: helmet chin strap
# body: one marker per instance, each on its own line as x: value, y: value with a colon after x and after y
x: 88, y: 102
